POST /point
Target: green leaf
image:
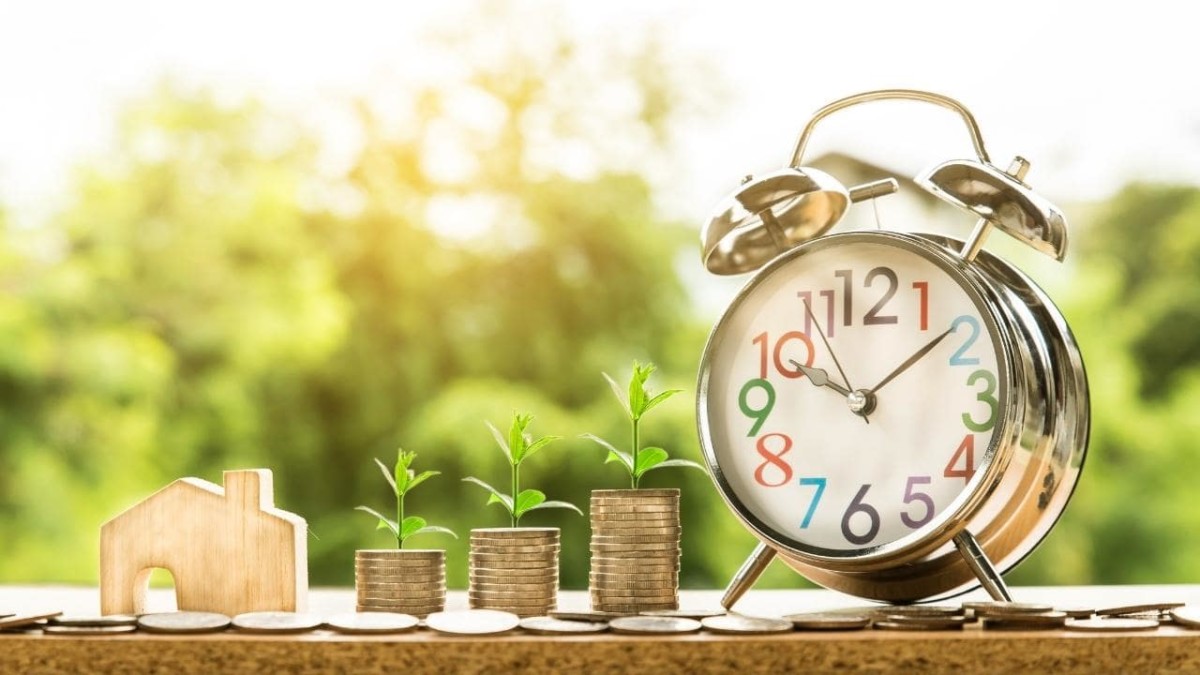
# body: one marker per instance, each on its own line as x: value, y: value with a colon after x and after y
x: 402, y: 474
x: 497, y: 497
x: 616, y: 389
x: 680, y: 462
x: 410, y: 526
x: 434, y: 529
x: 528, y: 499
x: 538, y: 445
x: 556, y: 504
x: 516, y: 437
x: 388, y: 475
x: 614, y: 455
x: 647, y: 459
x: 421, y: 478
x: 652, y: 403
x: 384, y: 523
x: 637, y: 389
x: 503, y: 444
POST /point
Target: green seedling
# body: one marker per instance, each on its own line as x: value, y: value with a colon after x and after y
x: 637, y: 401
x: 518, y: 447
x: 403, y: 479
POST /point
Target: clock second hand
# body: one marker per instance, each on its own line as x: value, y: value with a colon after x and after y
x: 829, y: 349
x: 911, y: 360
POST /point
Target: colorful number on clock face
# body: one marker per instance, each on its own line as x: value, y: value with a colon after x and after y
x: 909, y: 339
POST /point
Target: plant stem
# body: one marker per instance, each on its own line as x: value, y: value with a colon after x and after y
x: 633, y: 474
x: 399, y: 521
x: 516, y: 490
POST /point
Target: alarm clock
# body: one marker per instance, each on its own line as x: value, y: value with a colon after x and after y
x: 895, y: 415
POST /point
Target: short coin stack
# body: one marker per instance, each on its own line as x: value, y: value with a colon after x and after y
x: 405, y: 581
x: 514, y: 569
x: 635, y: 550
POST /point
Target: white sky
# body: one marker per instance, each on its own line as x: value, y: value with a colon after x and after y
x: 1094, y: 94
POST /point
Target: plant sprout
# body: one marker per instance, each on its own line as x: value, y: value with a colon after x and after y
x: 636, y: 402
x: 403, y: 479
x: 518, y: 447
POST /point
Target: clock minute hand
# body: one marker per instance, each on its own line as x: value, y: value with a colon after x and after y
x: 911, y: 360
x: 820, y: 378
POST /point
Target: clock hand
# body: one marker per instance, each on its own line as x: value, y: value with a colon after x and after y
x: 911, y: 360
x: 863, y: 412
x: 820, y: 378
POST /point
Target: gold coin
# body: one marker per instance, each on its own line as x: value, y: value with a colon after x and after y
x: 918, y: 610
x: 649, y: 625
x: 661, y: 510
x: 671, y: 546
x: 93, y: 621
x: 927, y: 623
x: 509, y: 541
x: 510, y: 550
x: 829, y: 620
x: 614, y: 518
x: 1157, y: 607
x: 582, y: 615
x: 413, y: 611
x: 519, y: 582
x: 1103, y: 624
x: 638, y: 493
x: 930, y: 621
x: 668, y: 531
x: 992, y: 608
x: 401, y: 586
x: 516, y: 533
x: 609, y: 568
x: 648, y: 580
x: 545, y: 625
x: 485, y: 587
x: 631, y: 610
x: 515, y: 599
x: 514, y: 573
x: 745, y: 625
x: 409, y: 558
x: 533, y: 558
x: 672, y: 502
x: 634, y: 598
x: 634, y: 539
x: 1043, y: 620
x: 66, y: 629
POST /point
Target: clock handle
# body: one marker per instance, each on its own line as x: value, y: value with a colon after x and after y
x: 749, y: 573
x: 983, y: 568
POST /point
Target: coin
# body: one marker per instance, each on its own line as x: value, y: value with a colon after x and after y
x: 632, y: 609
x: 581, y: 615
x: 414, y: 611
x: 1188, y: 615
x: 1026, y: 621
x: 276, y: 622
x: 545, y: 625
x: 366, y: 623
x: 515, y: 532
x: 622, y: 548
x: 684, y: 613
x: 61, y: 629
x: 94, y: 621
x: 402, y: 603
x: 515, y: 572
x: 639, y: 493
x: 19, y: 620
x: 1160, y: 607
x: 918, y: 610
x: 933, y: 623
x: 501, y: 560
x: 1082, y: 612
x: 632, y: 566
x: 829, y: 620
x: 646, y: 625
x: 745, y: 625
x: 514, y: 597
x: 618, y: 580
x: 402, y: 586
x: 183, y: 622
x: 613, y: 518
x: 635, y: 539
x: 486, y: 587
x: 992, y: 608
x: 510, y: 550
x: 1111, y: 624
x: 925, y: 621
x: 400, y: 555
x: 472, y: 622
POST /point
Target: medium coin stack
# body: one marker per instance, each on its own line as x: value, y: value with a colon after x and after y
x: 405, y: 581
x: 514, y: 569
x: 635, y: 550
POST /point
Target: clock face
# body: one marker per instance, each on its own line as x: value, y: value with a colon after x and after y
x: 852, y: 394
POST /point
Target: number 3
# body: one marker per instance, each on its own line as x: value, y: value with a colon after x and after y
x: 987, y: 396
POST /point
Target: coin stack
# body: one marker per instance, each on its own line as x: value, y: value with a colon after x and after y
x: 405, y: 581
x: 635, y: 550
x: 514, y: 569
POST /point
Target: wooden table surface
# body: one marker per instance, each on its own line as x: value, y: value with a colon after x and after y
x: 1168, y: 649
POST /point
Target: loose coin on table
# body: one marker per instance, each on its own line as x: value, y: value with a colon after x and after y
x: 371, y: 623
x: 94, y: 621
x: 918, y: 610
x: 745, y: 625
x: 1111, y: 624
x: 830, y: 620
x: 583, y: 615
x: 1144, y: 608
x: 921, y: 622
x: 684, y: 613
x: 276, y: 622
x: 62, y: 629
x: 183, y: 622
x: 994, y: 607
x: 546, y: 625
x: 472, y: 622
x: 650, y: 625
x: 1039, y: 621
x: 19, y: 620
x: 1188, y: 615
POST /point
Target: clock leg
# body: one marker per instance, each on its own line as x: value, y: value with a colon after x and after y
x: 749, y: 572
x: 983, y: 568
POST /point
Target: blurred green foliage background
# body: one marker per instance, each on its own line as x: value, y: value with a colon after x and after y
x: 214, y: 295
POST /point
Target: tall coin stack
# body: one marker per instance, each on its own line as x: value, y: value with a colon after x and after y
x: 405, y: 581
x: 514, y: 569
x: 635, y: 550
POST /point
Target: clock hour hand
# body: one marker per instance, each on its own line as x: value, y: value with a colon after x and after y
x: 920, y: 353
x: 820, y: 378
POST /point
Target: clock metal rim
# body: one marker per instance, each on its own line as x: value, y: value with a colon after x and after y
x: 949, y: 520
